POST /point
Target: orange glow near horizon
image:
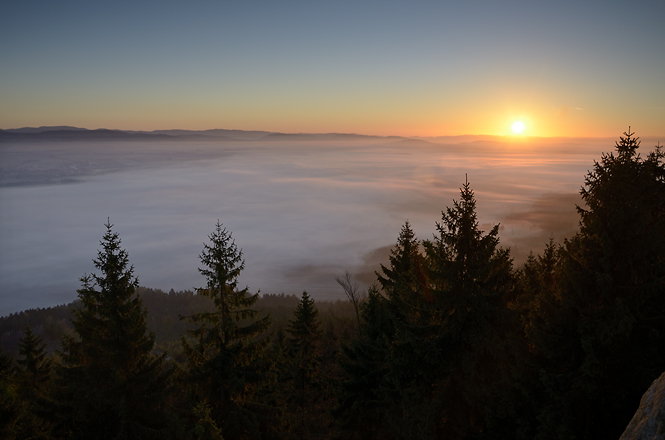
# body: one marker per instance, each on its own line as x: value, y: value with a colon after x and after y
x: 491, y: 122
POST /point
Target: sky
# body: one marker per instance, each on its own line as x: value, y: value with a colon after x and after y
x: 565, y: 68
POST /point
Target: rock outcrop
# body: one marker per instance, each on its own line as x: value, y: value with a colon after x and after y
x: 648, y: 423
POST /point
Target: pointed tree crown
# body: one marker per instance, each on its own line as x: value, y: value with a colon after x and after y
x: 306, y: 326
x: 403, y: 259
x: 117, y: 275
x: 33, y: 351
x: 628, y: 145
x: 111, y: 321
x: 111, y: 355
x: 222, y: 260
x: 35, y: 366
x: 460, y: 238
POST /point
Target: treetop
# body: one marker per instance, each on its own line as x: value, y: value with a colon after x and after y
x: 628, y: 144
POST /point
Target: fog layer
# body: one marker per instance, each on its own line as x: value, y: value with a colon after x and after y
x: 303, y: 212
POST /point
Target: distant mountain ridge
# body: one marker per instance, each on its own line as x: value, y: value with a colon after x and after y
x: 68, y: 133
x: 212, y: 133
x: 45, y: 128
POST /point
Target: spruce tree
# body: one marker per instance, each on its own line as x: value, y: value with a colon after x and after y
x: 432, y: 357
x: 406, y: 313
x: 226, y: 359
x: 305, y: 335
x: 305, y: 359
x: 34, y: 365
x: 540, y: 284
x: 111, y: 386
x: 471, y: 326
x: 34, y: 380
x: 611, y: 298
x: 542, y: 353
x: 367, y: 399
x: 406, y: 278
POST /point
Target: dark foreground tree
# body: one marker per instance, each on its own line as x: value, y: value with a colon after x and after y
x: 34, y: 365
x: 10, y: 404
x: 381, y: 362
x: 34, y: 380
x: 434, y: 359
x: 226, y: 360
x: 406, y: 279
x: 471, y: 325
x: 608, y: 345
x: 367, y: 399
x: 303, y: 385
x: 110, y: 385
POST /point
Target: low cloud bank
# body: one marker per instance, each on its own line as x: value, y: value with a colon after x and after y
x: 303, y: 212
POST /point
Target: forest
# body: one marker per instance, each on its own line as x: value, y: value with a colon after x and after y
x: 453, y: 341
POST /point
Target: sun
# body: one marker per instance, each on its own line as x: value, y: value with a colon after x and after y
x: 518, y: 127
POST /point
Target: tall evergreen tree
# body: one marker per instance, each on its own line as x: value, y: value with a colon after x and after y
x: 305, y: 353
x: 540, y: 284
x: 110, y: 384
x: 34, y: 379
x: 367, y: 399
x: 305, y: 332
x: 544, y: 328
x: 436, y: 350
x: 611, y: 298
x: 226, y: 361
x: 406, y: 278
x: 34, y: 364
x: 412, y: 364
x: 472, y: 327
x: 379, y: 365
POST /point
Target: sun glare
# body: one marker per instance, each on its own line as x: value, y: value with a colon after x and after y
x: 518, y: 127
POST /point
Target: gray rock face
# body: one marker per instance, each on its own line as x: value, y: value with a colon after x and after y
x: 648, y: 423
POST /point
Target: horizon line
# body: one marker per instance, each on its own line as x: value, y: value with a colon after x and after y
x: 503, y: 136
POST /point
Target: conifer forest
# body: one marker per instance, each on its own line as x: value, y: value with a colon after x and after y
x: 453, y: 341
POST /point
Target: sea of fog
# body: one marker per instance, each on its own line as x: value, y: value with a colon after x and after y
x: 303, y: 212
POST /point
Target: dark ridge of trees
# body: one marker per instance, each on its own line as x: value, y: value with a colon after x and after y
x: 49, y: 323
x: 164, y: 311
x: 452, y: 342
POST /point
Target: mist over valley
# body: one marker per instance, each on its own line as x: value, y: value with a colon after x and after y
x: 304, y: 208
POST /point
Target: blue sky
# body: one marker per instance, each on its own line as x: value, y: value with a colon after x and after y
x: 430, y: 68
